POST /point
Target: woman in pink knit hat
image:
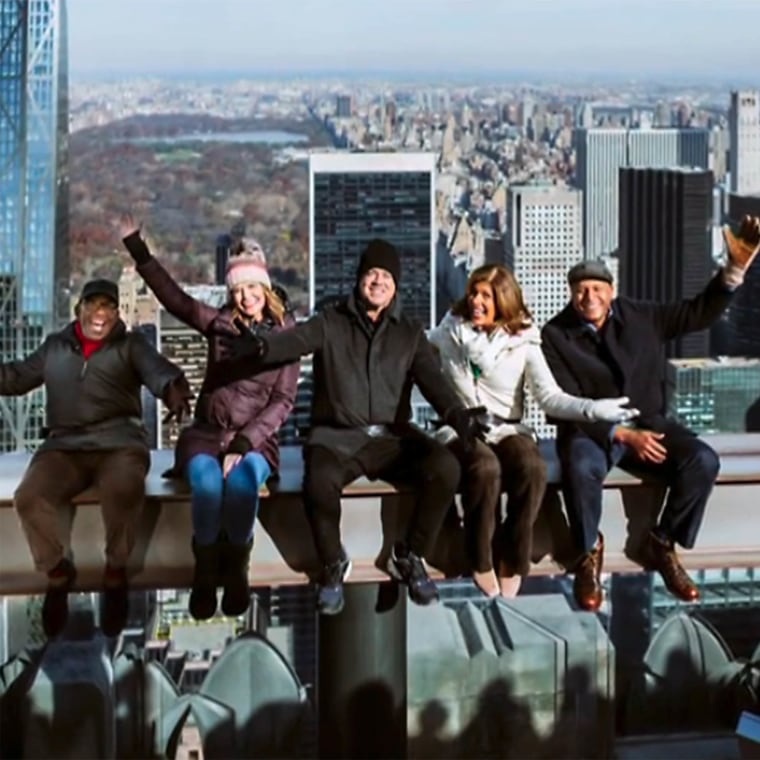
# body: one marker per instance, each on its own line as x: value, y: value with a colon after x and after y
x: 231, y: 447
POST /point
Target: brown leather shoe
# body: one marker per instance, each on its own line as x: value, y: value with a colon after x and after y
x: 661, y: 556
x: 587, y: 585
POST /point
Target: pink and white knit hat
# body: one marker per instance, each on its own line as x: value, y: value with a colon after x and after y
x: 249, y: 265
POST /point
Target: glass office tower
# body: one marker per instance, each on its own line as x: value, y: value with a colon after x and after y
x: 33, y: 195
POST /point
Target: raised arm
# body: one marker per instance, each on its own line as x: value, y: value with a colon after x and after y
x: 187, y: 309
x: 691, y: 314
x: 701, y: 311
x: 20, y: 377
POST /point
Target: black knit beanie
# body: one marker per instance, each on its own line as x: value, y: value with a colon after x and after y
x: 380, y: 254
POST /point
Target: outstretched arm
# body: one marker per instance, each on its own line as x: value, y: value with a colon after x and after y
x: 701, y: 311
x: 154, y: 370
x: 20, y: 377
x: 256, y: 353
x: 187, y: 309
x: 564, y: 406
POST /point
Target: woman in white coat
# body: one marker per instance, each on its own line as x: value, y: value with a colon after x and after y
x: 491, y: 350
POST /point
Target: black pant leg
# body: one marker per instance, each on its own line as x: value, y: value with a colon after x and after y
x: 325, y: 474
x: 433, y: 471
x: 689, y: 472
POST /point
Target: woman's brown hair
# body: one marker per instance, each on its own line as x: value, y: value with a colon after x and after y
x: 511, y: 312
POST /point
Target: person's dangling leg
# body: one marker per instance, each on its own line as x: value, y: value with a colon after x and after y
x: 204, y: 473
x: 240, y: 505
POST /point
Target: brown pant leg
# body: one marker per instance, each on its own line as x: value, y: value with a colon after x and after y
x: 52, y: 479
x: 481, y: 494
x: 120, y: 477
x: 523, y: 473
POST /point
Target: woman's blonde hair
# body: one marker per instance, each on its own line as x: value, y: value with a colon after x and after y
x: 511, y: 312
x: 274, y: 306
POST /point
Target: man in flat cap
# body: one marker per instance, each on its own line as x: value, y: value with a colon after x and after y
x: 603, y: 345
x: 92, y: 371
x: 367, y: 356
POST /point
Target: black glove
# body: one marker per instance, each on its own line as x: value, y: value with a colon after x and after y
x: 177, y: 395
x: 467, y: 425
x: 137, y: 247
x: 245, y: 344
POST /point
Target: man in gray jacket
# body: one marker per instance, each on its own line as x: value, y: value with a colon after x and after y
x: 367, y: 356
x: 92, y: 371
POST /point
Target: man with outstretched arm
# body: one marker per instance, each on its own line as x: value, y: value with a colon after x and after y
x: 603, y: 345
x: 367, y: 356
x: 92, y: 371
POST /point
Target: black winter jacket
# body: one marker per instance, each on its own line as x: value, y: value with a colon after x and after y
x: 626, y: 357
x: 363, y: 375
x: 93, y: 403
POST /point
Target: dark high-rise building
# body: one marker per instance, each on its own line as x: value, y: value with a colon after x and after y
x: 343, y: 106
x: 356, y: 197
x: 742, y: 320
x: 33, y: 195
x: 665, y: 241
x: 221, y: 254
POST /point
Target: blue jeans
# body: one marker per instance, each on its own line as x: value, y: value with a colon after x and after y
x: 689, y: 472
x: 230, y: 506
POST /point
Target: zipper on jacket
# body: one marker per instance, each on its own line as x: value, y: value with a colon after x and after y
x: 84, y: 369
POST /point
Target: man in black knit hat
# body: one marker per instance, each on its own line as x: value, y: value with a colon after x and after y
x: 367, y: 356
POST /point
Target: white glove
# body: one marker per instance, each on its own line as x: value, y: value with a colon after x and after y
x: 610, y: 410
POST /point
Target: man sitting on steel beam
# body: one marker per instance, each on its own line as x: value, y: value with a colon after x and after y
x: 367, y: 356
x: 92, y: 371
x: 600, y: 345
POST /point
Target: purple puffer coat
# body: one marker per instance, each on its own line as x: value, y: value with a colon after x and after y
x: 254, y: 406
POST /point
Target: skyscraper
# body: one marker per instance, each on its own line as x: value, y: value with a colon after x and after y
x: 355, y: 197
x: 544, y: 239
x: 343, y: 106
x: 602, y: 152
x: 665, y: 251
x: 33, y: 195
x: 744, y: 152
x: 714, y: 395
x: 545, y: 226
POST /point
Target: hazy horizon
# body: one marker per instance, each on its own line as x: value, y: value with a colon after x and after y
x: 679, y: 41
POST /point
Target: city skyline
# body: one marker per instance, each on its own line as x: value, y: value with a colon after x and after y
x: 672, y: 39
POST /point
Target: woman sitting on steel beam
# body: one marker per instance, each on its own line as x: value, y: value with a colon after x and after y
x: 491, y: 350
x: 231, y: 447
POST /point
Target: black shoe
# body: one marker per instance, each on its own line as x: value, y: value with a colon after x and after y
x: 330, y: 587
x: 234, y: 565
x: 408, y: 568
x: 55, y: 608
x: 202, y: 604
x: 115, y: 608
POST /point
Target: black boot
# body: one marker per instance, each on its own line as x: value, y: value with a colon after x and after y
x: 205, y: 580
x: 115, y: 609
x: 237, y: 594
x: 55, y: 610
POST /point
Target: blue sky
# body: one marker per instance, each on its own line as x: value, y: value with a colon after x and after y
x: 717, y: 39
